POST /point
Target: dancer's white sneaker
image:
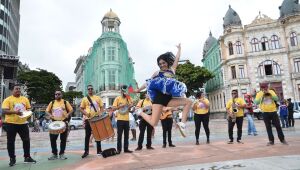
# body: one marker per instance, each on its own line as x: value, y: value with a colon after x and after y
x: 181, y: 127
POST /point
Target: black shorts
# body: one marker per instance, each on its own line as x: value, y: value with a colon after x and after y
x: 162, y: 99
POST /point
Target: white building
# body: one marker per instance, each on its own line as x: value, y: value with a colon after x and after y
x: 79, y: 84
x: 266, y: 50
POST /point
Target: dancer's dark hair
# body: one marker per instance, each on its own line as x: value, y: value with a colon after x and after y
x: 167, y: 57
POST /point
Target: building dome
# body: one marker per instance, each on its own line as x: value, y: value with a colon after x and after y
x: 210, y: 41
x: 111, y: 15
x: 289, y: 7
x: 231, y: 18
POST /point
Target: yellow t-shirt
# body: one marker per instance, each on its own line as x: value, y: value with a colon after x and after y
x: 122, y: 101
x: 266, y: 104
x: 199, y: 107
x: 59, y: 110
x: 13, y: 104
x: 144, y: 103
x: 86, y: 105
x: 165, y: 115
x: 238, y: 101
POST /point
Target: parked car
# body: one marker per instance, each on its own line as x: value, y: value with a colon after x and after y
x: 76, y: 122
x: 296, y: 114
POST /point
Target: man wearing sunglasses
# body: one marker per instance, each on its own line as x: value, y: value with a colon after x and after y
x: 59, y: 110
x: 235, y: 110
x: 90, y: 107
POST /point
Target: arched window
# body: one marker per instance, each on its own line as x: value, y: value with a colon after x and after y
x: 293, y: 38
x: 238, y: 45
x: 230, y: 48
x: 268, y: 68
x: 255, y: 45
x: 264, y: 44
x: 274, y: 42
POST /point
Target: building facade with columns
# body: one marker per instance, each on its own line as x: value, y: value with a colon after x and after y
x: 264, y: 51
x: 108, y: 65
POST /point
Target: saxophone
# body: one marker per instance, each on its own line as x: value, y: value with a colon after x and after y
x: 234, y: 111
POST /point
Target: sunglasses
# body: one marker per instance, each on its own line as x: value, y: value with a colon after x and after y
x: 57, y: 94
x: 90, y: 88
x: 233, y: 93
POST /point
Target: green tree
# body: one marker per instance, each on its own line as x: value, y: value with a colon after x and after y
x: 193, y: 76
x: 71, y: 95
x: 40, y: 85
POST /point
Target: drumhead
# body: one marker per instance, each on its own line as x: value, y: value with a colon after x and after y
x: 26, y: 114
x: 97, y: 118
x: 57, y: 125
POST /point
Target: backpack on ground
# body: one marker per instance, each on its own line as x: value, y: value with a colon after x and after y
x: 109, y: 152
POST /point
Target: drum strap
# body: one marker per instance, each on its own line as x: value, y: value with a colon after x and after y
x: 90, y: 100
x: 65, y: 102
x: 142, y: 103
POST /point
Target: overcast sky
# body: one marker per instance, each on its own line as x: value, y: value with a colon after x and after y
x: 54, y: 33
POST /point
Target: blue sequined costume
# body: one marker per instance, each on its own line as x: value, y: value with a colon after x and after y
x: 165, y: 83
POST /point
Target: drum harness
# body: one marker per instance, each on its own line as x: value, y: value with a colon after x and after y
x: 90, y: 100
x: 65, y: 103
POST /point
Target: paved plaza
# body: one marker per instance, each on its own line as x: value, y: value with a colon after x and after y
x: 253, y: 154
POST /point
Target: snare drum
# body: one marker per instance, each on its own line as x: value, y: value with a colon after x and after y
x: 101, y: 127
x: 26, y: 114
x: 57, y: 127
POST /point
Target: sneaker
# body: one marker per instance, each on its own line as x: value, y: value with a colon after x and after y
x: 240, y: 142
x: 171, y: 145
x: 284, y: 142
x: 207, y: 141
x: 197, y: 142
x: 85, y: 154
x: 29, y: 160
x: 128, y: 151
x: 181, y: 127
x: 12, y: 161
x: 139, y: 148
x: 53, y: 157
x: 255, y: 134
x: 230, y: 142
x: 164, y: 146
x: 270, y: 143
x: 62, y: 157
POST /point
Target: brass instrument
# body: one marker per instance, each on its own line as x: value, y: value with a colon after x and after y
x: 235, y: 110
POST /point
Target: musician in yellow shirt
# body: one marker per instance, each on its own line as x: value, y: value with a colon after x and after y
x: 166, y: 119
x: 145, y: 103
x: 59, y: 109
x: 200, y: 108
x: 235, y: 110
x: 266, y: 100
x: 12, y: 108
x: 90, y: 106
x: 123, y: 103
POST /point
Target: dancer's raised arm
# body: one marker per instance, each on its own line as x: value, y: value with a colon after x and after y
x: 177, y: 57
